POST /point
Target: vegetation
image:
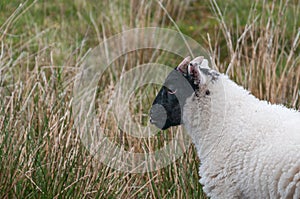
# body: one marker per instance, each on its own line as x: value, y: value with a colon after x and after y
x: 43, y: 43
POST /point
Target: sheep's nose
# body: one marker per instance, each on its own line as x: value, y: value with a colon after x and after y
x: 158, y: 115
x: 152, y: 121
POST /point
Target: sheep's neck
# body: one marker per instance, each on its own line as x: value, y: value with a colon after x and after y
x: 204, y: 116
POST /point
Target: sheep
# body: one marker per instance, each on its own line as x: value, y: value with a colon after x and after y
x: 247, y: 148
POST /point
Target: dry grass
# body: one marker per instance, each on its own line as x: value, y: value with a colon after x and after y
x: 42, y: 46
x: 261, y: 58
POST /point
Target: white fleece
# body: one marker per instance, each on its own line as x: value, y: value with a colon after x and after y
x: 248, y: 148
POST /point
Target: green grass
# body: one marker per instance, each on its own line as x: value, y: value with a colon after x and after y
x: 42, y: 44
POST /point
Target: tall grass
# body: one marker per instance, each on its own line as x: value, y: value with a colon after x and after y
x: 43, y: 44
x: 264, y: 53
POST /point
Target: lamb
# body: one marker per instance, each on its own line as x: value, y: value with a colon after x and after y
x: 248, y: 148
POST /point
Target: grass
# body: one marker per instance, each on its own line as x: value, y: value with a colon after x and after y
x: 42, y: 45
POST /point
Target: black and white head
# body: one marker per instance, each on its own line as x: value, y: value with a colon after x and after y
x: 188, y: 78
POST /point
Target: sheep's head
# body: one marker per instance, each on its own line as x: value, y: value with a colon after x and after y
x: 187, y: 78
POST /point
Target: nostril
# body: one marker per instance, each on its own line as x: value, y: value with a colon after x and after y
x: 151, y: 116
x: 151, y: 120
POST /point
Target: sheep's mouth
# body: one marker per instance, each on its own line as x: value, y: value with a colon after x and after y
x: 158, y: 116
x: 163, y: 118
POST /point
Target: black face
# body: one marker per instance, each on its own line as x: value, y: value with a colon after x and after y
x: 166, y: 110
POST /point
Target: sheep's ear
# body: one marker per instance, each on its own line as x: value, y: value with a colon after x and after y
x: 183, y: 66
x: 194, y: 70
x: 198, y: 60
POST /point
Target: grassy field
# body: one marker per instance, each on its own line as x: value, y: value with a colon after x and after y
x: 43, y: 44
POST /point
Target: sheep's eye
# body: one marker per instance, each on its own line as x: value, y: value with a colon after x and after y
x: 172, y: 92
x: 207, y: 92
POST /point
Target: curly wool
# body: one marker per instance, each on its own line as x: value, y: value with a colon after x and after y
x: 248, y: 148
